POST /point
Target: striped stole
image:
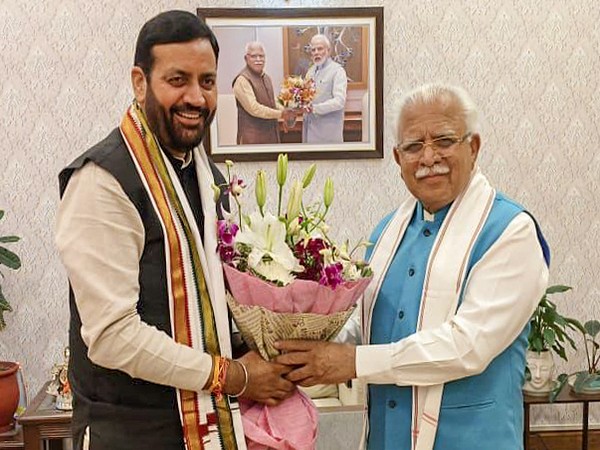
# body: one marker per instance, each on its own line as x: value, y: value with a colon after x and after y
x: 207, y: 423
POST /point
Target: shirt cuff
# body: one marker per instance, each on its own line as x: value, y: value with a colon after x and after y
x: 373, y: 359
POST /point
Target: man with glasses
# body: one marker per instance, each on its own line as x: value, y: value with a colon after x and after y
x: 459, y: 269
x: 258, y: 113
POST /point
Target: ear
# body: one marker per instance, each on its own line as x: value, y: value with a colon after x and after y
x: 396, y: 153
x: 475, y: 144
x: 139, y: 83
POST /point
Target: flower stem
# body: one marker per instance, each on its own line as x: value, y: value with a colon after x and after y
x: 279, y: 197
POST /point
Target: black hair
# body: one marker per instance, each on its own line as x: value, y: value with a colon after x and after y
x: 167, y: 28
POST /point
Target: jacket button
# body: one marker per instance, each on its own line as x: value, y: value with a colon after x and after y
x: 426, y: 232
x: 401, y: 315
x: 411, y: 272
x: 392, y: 404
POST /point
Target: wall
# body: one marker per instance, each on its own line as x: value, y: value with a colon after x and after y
x: 532, y: 65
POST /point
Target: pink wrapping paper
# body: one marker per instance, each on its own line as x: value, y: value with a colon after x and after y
x: 298, y: 296
x: 292, y: 425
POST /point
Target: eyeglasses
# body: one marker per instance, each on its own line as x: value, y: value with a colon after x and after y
x: 442, y: 145
x: 254, y: 56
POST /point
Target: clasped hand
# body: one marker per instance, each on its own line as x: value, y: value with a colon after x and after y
x: 317, y: 362
x: 266, y: 380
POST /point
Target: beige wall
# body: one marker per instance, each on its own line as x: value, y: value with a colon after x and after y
x: 531, y: 65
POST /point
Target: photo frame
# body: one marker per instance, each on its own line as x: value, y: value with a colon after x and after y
x: 356, y: 44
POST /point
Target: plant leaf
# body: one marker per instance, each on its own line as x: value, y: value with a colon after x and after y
x: 580, y: 379
x: 5, y: 239
x: 560, y: 383
x: 4, y: 307
x: 592, y: 327
x: 9, y: 259
x: 549, y: 336
x: 557, y: 288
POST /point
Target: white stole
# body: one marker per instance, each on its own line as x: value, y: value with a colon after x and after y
x: 444, y: 280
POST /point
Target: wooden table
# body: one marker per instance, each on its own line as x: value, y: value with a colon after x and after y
x: 15, y: 441
x: 566, y: 396
x: 42, y: 421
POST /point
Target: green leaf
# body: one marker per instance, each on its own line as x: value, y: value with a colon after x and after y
x: 4, y: 307
x: 560, y: 383
x: 560, y: 351
x: 5, y: 239
x: 1, y: 214
x: 557, y: 288
x: 549, y: 337
x: 580, y: 379
x: 592, y: 327
x: 9, y: 259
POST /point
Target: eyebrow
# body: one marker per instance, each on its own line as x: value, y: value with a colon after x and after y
x: 434, y: 135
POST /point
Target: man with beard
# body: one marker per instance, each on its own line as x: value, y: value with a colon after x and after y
x: 459, y: 269
x: 150, y: 363
x: 258, y: 113
x: 324, y: 121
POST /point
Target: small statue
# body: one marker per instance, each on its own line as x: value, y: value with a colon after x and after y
x: 59, y: 385
x: 541, y: 368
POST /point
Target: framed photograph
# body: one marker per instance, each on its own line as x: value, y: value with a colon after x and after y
x: 314, y: 91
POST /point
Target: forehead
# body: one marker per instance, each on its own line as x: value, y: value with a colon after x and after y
x: 318, y: 43
x: 193, y: 56
x: 255, y: 50
x: 433, y: 119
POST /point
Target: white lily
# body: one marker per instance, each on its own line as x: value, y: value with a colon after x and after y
x: 270, y: 255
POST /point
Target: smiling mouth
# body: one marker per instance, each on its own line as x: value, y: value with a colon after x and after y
x: 189, y: 118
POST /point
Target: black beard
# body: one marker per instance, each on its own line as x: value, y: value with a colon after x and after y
x: 177, y: 139
x: 170, y: 136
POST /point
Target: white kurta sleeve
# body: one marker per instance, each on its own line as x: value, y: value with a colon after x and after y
x: 242, y: 89
x: 502, y: 292
x: 100, y: 237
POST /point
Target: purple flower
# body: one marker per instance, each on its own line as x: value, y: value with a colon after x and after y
x: 332, y: 275
x: 226, y: 232
x: 226, y: 253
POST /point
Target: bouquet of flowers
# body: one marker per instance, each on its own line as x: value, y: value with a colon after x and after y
x: 287, y: 280
x: 297, y: 92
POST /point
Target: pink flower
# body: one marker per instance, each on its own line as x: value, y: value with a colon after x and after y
x: 226, y: 232
x: 226, y: 253
x: 332, y: 275
x: 236, y: 186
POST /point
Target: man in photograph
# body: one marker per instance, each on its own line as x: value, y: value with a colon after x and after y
x: 324, y: 121
x: 258, y: 112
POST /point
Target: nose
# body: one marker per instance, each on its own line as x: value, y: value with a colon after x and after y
x: 195, y: 95
x: 429, y: 156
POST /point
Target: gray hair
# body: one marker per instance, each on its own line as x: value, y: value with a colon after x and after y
x: 253, y: 44
x: 321, y: 37
x: 431, y: 93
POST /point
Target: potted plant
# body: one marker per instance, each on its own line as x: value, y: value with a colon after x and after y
x: 9, y: 389
x: 549, y: 333
x: 586, y: 381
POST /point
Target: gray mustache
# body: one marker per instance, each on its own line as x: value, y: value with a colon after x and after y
x: 436, y: 169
